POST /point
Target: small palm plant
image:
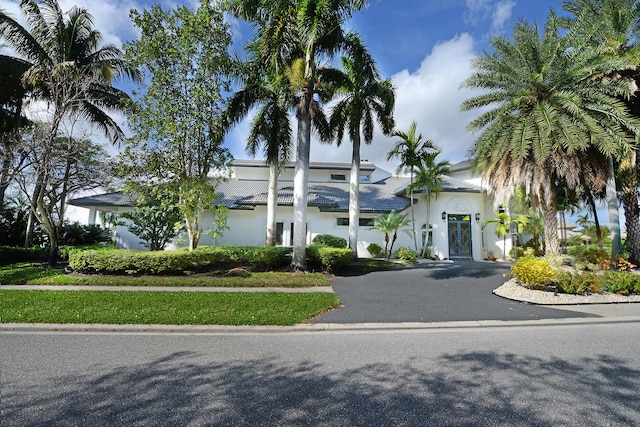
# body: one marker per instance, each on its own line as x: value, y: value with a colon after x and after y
x: 390, y: 224
x: 503, y: 223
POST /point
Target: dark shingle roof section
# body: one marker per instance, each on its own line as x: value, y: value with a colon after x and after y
x: 379, y: 197
x: 364, y: 166
x: 115, y: 198
x: 328, y: 196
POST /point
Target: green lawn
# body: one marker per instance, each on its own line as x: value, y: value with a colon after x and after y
x: 34, y: 274
x: 169, y: 308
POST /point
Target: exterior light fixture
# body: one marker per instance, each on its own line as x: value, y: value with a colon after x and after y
x: 501, y: 209
x: 477, y: 216
x: 444, y: 215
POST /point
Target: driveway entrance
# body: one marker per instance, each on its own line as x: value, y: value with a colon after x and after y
x: 432, y: 292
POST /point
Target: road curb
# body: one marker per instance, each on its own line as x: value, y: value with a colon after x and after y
x: 312, y: 327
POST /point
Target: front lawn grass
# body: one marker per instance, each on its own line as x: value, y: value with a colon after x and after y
x: 167, y: 308
x: 35, y: 274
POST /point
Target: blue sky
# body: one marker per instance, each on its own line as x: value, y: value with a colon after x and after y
x: 425, y: 47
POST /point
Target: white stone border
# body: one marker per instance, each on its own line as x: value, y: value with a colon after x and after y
x: 513, y: 291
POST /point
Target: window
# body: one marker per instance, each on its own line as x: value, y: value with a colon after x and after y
x: 364, y: 222
x: 279, y: 233
x: 364, y: 178
x: 338, y: 177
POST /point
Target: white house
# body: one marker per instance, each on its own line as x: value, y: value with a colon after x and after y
x: 456, y: 223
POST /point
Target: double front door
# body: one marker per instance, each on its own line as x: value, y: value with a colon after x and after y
x: 459, y: 236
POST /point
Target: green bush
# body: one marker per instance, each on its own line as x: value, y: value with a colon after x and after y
x: 328, y: 258
x: 534, y: 273
x: 11, y: 254
x: 374, y: 249
x: 588, y: 256
x: 622, y: 282
x: 521, y: 252
x: 329, y: 240
x: 579, y: 283
x: 181, y: 261
x: 406, y: 254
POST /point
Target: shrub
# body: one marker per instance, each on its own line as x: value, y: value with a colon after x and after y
x: 406, y: 254
x: 590, y: 257
x: 622, y: 282
x: 328, y: 258
x: 521, y: 252
x: 534, y: 273
x: 76, y: 234
x: 181, y: 261
x: 374, y: 249
x: 11, y: 254
x: 329, y: 240
x: 580, y: 283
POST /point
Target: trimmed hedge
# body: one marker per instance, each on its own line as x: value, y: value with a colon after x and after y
x: 327, y: 258
x: 329, y: 240
x: 182, y: 261
x: 11, y: 254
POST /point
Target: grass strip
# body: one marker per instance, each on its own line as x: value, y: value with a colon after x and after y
x: 164, y: 308
x: 33, y: 274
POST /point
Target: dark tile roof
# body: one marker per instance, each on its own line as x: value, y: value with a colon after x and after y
x: 364, y: 166
x: 379, y: 197
x: 328, y: 196
x: 454, y: 185
x: 115, y: 198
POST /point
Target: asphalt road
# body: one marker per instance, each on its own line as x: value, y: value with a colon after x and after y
x: 581, y: 375
x: 432, y: 292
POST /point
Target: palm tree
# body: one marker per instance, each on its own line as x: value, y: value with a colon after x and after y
x: 294, y: 34
x: 535, y: 227
x: 68, y: 70
x: 366, y: 100
x: 411, y: 149
x: 270, y: 129
x: 611, y: 26
x: 390, y: 223
x: 549, y: 115
x: 428, y: 179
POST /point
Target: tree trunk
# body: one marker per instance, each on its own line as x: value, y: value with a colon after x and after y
x: 550, y: 218
x: 354, y: 197
x: 632, y: 222
x: 413, y: 219
x: 300, y: 188
x: 272, y: 205
x: 393, y: 241
x: 427, y: 225
x: 632, y: 212
x: 614, y: 213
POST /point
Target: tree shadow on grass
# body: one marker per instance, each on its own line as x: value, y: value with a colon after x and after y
x: 468, y: 389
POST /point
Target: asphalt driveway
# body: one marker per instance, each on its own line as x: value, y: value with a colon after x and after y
x: 432, y: 292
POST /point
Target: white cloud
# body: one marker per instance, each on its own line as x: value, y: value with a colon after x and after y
x: 498, y: 11
x: 431, y: 96
x: 501, y: 15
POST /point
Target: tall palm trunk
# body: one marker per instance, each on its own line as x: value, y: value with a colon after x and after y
x: 272, y: 195
x: 427, y: 225
x: 614, y: 213
x: 413, y: 219
x: 354, y: 196
x: 550, y: 217
x: 630, y: 196
x: 301, y: 183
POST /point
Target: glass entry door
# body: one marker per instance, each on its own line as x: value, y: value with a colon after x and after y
x: 459, y: 236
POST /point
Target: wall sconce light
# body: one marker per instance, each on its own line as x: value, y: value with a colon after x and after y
x: 501, y: 209
x: 444, y: 215
x: 477, y: 216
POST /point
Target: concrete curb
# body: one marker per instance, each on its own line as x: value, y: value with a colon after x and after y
x: 312, y: 327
